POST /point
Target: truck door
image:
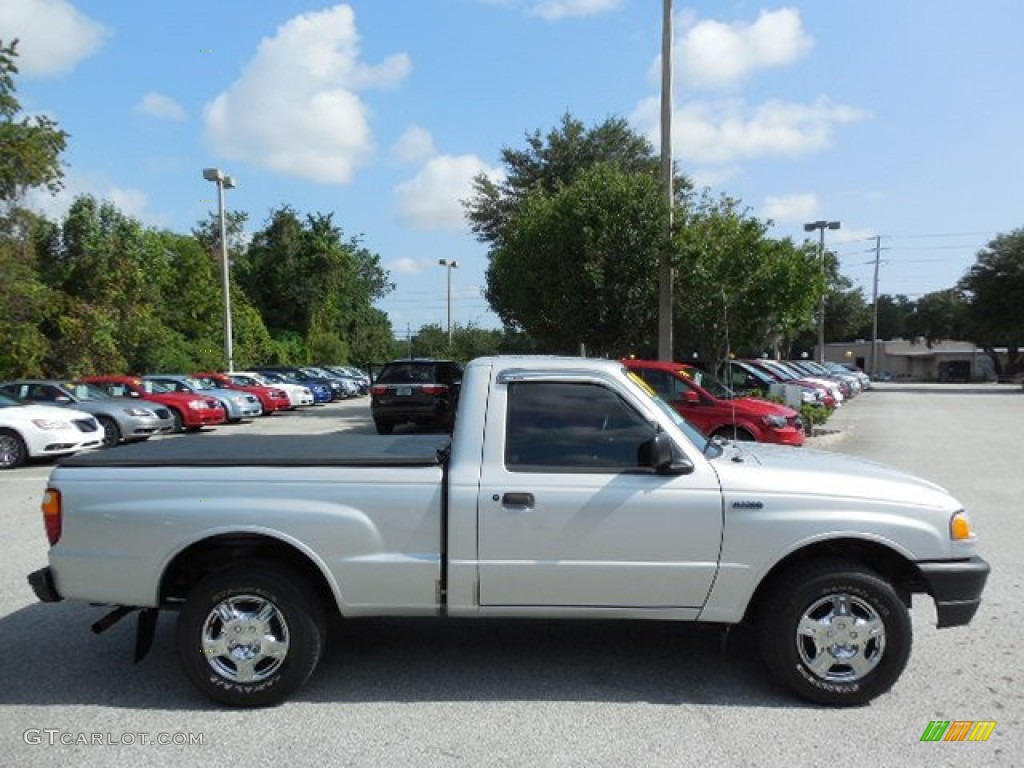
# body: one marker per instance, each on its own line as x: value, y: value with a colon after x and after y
x: 569, y: 517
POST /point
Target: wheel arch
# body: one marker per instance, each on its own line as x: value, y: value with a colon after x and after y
x: 901, y: 573
x: 222, y: 551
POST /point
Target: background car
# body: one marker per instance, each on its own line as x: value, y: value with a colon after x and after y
x: 122, y: 419
x: 237, y: 405
x: 190, y: 412
x: 321, y: 389
x: 419, y: 391
x: 39, y: 431
x: 716, y: 410
x: 362, y: 381
x: 273, y: 399
x: 298, y: 394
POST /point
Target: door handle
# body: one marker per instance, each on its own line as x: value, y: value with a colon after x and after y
x: 517, y: 500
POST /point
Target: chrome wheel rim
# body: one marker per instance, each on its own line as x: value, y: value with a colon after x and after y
x: 245, y: 639
x: 10, y: 451
x: 840, y: 638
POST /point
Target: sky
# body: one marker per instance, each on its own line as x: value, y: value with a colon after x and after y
x: 896, y: 119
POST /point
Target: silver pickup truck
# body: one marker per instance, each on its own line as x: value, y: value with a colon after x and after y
x: 567, y: 490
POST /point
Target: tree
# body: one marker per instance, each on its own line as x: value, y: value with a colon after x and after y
x: 553, y: 161
x: 939, y: 315
x: 26, y: 302
x: 893, y: 313
x: 578, y: 265
x: 30, y: 148
x: 735, y: 288
x: 994, y: 290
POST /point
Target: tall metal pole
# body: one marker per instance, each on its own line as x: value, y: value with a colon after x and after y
x: 449, y: 264
x: 665, y: 272
x: 229, y: 352
x: 821, y: 303
x: 874, y: 317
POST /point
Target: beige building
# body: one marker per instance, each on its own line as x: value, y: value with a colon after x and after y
x: 902, y: 359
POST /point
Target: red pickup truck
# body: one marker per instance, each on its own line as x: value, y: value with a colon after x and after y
x: 714, y: 409
x: 191, y: 412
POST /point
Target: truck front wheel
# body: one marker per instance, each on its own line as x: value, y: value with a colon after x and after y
x: 249, y: 635
x: 835, y: 633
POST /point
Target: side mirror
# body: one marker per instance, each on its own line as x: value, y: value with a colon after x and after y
x: 690, y: 397
x: 660, y: 454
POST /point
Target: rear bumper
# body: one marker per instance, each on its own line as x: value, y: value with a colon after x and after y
x: 43, y: 585
x: 956, y: 587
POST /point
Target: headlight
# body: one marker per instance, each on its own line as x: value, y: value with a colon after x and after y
x: 960, y: 527
x: 774, y: 420
x: 198, y: 405
x: 140, y: 412
x: 49, y: 424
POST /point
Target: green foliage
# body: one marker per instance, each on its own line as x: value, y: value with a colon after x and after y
x: 994, y: 288
x: 814, y: 415
x: 467, y: 342
x: 30, y: 148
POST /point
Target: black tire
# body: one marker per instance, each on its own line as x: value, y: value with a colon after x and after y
x: 734, y: 433
x: 384, y: 428
x: 111, y: 432
x: 264, y: 601
x: 13, y: 452
x: 179, y: 421
x: 856, y: 612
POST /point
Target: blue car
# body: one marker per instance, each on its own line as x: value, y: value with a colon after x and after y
x: 322, y: 392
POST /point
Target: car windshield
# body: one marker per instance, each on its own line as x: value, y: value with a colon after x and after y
x: 82, y: 391
x: 193, y: 383
x: 714, y: 386
x: 245, y: 381
x: 403, y: 373
x: 156, y: 388
x: 6, y: 401
x: 205, y: 382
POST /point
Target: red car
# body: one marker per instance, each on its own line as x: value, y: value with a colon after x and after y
x: 712, y: 408
x: 190, y: 411
x: 271, y: 398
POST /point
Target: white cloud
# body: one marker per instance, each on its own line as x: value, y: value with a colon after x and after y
x: 405, y: 266
x: 555, y: 10
x: 159, y: 106
x: 53, y: 35
x: 432, y: 198
x: 712, y: 54
x: 131, y: 202
x: 414, y: 146
x: 306, y: 79
x: 723, y: 132
x: 790, y: 208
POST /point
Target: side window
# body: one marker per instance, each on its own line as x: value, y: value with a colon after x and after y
x: 561, y: 426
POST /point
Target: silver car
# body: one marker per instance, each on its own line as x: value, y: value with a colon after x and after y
x: 122, y: 419
x: 238, y: 404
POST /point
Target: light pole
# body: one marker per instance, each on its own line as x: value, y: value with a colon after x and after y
x: 449, y: 264
x: 821, y: 225
x: 224, y: 182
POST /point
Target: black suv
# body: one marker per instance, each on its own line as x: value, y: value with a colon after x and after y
x: 423, y: 392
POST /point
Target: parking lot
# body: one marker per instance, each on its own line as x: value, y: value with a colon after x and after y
x: 433, y: 693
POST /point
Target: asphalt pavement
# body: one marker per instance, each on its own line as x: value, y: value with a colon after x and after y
x: 501, y: 693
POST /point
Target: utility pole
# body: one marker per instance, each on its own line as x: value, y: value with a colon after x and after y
x: 665, y: 272
x: 874, y: 318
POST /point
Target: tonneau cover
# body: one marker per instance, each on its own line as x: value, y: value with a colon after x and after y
x: 340, y: 449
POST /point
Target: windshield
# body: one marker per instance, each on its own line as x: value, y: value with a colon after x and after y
x: 82, y: 391
x: 6, y: 401
x: 205, y: 382
x: 692, y: 433
x: 714, y: 386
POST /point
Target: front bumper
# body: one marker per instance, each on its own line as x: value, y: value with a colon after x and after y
x: 42, y: 584
x: 956, y: 587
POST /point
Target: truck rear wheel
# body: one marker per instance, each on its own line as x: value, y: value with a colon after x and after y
x: 250, y: 635
x: 835, y: 633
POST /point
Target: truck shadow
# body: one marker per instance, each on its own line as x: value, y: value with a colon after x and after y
x: 52, y: 658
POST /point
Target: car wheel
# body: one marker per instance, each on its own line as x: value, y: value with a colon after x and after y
x: 735, y: 433
x: 835, y: 633
x: 179, y: 421
x: 250, y: 635
x: 383, y: 428
x: 111, y: 432
x: 13, y: 452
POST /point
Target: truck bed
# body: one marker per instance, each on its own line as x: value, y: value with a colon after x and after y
x: 340, y: 449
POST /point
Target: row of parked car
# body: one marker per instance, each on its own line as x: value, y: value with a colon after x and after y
x: 52, y: 418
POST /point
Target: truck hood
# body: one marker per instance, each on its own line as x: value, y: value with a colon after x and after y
x: 764, y: 469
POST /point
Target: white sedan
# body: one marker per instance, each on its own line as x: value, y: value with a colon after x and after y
x: 37, y: 431
x: 297, y: 394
